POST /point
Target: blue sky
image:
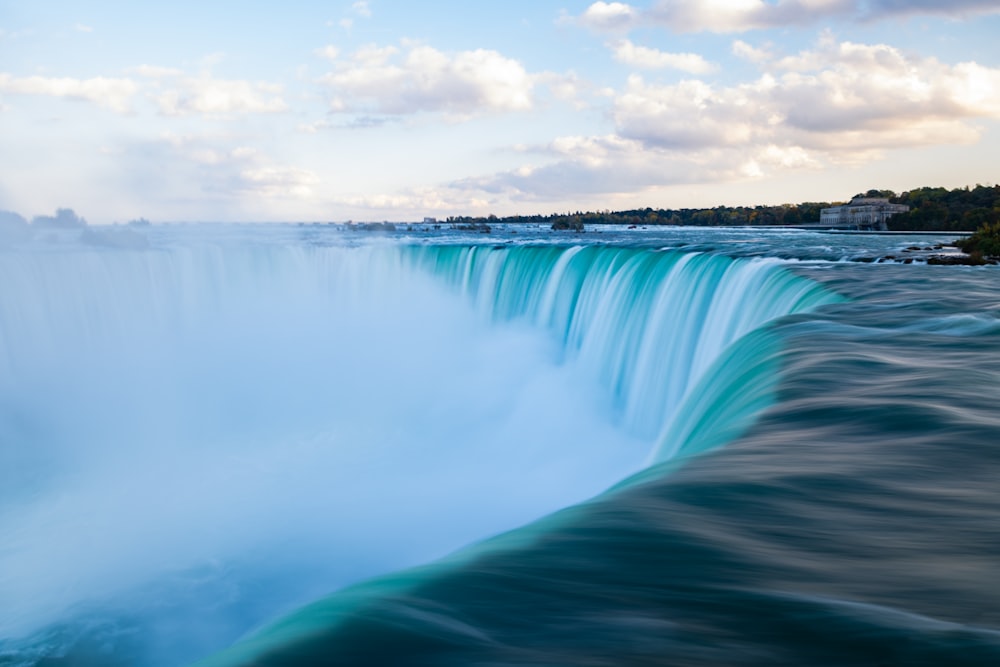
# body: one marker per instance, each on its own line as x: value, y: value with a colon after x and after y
x: 397, y: 110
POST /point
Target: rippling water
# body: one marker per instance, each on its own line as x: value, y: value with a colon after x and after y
x: 821, y: 489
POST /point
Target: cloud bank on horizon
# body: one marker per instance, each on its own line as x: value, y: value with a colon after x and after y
x: 388, y: 110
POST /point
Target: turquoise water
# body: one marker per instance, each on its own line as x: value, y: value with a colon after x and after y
x: 649, y: 447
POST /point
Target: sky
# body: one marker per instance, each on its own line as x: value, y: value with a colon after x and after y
x: 396, y: 110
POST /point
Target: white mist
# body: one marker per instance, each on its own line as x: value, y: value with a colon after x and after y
x: 231, y: 417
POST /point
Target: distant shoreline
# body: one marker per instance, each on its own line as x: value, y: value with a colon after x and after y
x: 894, y: 232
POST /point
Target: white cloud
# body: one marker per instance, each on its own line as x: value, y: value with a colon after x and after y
x: 373, y: 56
x: 596, y: 167
x: 204, y: 154
x: 110, y: 93
x: 877, y: 87
x: 414, y: 203
x: 219, y: 98
x: 733, y: 16
x: 229, y: 170
x: 687, y: 115
x: 569, y: 88
x: 784, y: 158
x: 742, y: 15
x: 155, y: 72
x: 840, y: 104
x: 648, y: 58
x: 174, y: 94
x: 844, y: 97
x: 591, y: 150
x: 329, y: 52
x: 361, y: 8
x: 201, y: 149
x: 79, y: 27
x: 385, y: 80
x: 609, y: 16
x: 753, y: 54
x: 272, y: 181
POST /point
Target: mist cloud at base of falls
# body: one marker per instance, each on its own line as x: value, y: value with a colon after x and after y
x: 288, y: 419
x: 357, y: 429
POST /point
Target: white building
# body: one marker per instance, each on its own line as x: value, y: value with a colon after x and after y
x: 869, y: 213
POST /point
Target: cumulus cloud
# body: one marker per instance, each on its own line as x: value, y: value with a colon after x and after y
x: 414, y: 203
x: 329, y: 52
x: 218, y: 97
x: 728, y: 16
x: 609, y: 16
x: 278, y: 181
x: 565, y: 87
x: 569, y: 88
x: 228, y: 169
x: 361, y: 8
x: 648, y: 58
x: 172, y: 92
x: 839, y: 103
x: 688, y: 115
x: 876, y: 87
x: 742, y: 15
x: 208, y: 152
x: 590, y: 150
x: 954, y: 8
x: 110, y: 93
x: 841, y: 98
x: 388, y: 80
x: 599, y: 167
x: 754, y: 54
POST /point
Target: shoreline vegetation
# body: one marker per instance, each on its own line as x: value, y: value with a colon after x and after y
x: 960, y: 210
x: 974, y: 211
x: 983, y: 246
x: 931, y: 209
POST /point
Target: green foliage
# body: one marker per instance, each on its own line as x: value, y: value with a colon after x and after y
x: 940, y: 209
x: 931, y: 209
x: 876, y: 194
x: 573, y: 223
x: 985, y: 241
x: 720, y: 216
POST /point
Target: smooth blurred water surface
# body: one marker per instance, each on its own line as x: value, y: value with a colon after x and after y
x: 854, y: 523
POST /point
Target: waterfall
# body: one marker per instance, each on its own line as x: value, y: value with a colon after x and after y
x: 648, y: 324
x: 320, y: 414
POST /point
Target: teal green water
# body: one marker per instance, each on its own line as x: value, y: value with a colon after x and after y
x: 650, y: 323
x: 816, y: 481
x: 693, y: 381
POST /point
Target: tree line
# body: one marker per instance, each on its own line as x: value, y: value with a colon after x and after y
x: 962, y: 209
x: 940, y: 209
x: 720, y: 216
